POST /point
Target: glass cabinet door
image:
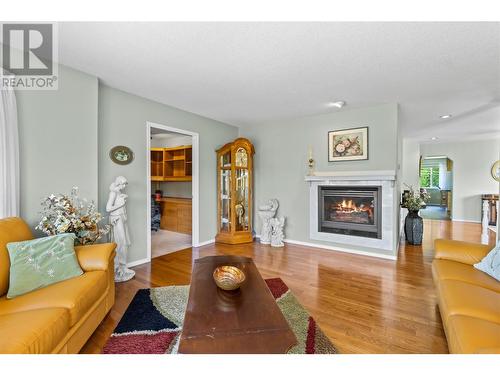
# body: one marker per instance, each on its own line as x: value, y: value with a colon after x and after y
x: 241, y: 190
x: 225, y: 200
x: 241, y: 197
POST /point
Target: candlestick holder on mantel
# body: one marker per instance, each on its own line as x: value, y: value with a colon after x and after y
x: 310, y: 162
x: 311, y: 167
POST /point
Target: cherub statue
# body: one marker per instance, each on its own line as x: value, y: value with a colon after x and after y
x: 119, y: 234
x: 266, y: 212
x: 277, y: 235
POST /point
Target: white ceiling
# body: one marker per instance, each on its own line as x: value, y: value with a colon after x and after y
x: 246, y: 74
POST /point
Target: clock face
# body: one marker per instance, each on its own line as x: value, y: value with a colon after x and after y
x: 121, y: 155
x: 495, y: 171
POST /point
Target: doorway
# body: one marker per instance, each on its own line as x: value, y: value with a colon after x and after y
x: 436, y: 178
x: 172, y: 189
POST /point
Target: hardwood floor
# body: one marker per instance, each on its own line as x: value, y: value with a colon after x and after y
x: 165, y: 242
x: 363, y: 304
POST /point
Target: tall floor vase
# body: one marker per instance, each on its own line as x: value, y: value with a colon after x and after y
x: 414, y: 228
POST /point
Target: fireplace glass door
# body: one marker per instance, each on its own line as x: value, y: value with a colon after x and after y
x: 351, y: 211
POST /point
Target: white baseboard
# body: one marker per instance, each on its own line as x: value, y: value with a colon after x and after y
x: 138, y: 262
x: 200, y: 244
x: 467, y: 221
x: 341, y: 249
x: 336, y: 248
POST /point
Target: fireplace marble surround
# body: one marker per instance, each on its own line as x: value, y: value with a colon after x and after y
x: 387, y: 245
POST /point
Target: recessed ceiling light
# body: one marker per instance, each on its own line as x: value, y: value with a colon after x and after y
x: 434, y: 138
x: 338, y: 104
x: 444, y: 117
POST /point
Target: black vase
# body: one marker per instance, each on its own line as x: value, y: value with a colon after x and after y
x: 414, y: 228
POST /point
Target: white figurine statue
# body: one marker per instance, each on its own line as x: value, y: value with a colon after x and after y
x: 277, y: 235
x: 485, y: 222
x: 266, y: 213
x: 119, y: 233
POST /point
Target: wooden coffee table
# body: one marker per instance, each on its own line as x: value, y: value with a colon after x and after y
x: 244, y: 321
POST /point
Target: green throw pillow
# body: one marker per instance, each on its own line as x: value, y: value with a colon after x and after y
x: 38, y: 263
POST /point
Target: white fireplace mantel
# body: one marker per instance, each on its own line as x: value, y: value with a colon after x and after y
x: 382, y: 175
x: 386, y: 179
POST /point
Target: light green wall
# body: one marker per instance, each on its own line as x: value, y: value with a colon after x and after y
x: 281, y: 153
x: 472, y: 162
x: 411, y: 156
x: 58, y: 141
x: 177, y: 189
x: 122, y: 121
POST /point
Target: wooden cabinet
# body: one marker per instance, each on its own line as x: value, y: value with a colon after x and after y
x: 234, y: 192
x: 172, y: 164
x: 176, y: 214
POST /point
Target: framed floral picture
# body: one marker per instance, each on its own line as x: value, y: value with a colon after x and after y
x: 348, y: 144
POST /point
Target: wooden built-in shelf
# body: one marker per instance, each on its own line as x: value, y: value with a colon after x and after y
x: 171, y: 164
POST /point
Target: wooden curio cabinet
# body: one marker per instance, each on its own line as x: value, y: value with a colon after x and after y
x: 234, y: 192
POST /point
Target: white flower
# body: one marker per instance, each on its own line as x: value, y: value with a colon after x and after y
x: 340, y: 148
x: 51, y: 272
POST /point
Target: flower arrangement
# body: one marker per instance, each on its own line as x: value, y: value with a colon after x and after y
x: 70, y: 214
x: 415, y: 200
x: 346, y: 146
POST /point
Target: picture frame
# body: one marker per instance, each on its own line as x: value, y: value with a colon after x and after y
x: 348, y: 144
x: 122, y: 155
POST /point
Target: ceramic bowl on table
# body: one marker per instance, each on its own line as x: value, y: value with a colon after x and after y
x: 228, y: 277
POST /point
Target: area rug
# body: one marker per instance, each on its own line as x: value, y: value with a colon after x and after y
x: 153, y: 322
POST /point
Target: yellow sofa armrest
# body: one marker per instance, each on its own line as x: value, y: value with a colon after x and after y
x: 95, y: 257
x: 460, y: 251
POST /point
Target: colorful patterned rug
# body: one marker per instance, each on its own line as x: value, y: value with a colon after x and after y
x: 153, y: 322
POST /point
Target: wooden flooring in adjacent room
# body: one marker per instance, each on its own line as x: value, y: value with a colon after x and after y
x: 363, y: 304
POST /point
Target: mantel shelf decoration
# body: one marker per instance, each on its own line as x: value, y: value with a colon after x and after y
x: 310, y: 162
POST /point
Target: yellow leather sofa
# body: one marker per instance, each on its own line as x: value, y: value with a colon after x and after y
x: 59, y: 318
x: 469, y: 300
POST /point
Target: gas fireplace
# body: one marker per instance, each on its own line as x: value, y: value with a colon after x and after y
x: 354, y: 211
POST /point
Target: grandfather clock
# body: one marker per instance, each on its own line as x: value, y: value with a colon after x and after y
x: 234, y: 192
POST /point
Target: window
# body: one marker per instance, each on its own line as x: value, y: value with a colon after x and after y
x: 429, y: 177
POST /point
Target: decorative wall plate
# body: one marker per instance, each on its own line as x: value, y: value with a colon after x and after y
x: 121, y: 155
x: 495, y: 170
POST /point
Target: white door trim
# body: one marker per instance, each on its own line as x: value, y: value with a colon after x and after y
x: 195, y: 182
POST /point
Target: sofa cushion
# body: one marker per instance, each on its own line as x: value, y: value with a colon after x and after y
x: 461, y: 298
x: 35, y: 264
x: 467, y: 334
x: 32, y: 332
x: 77, y: 295
x: 12, y: 229
x: 491, y: 263
x: 450, y: 270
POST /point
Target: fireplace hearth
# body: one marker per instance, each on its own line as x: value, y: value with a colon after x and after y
x: 354, y: 210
